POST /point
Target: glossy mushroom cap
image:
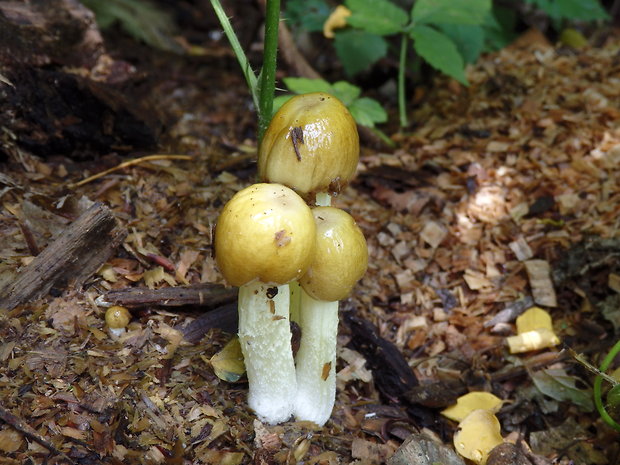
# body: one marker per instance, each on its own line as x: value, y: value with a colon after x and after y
x: 311, y: 145
x: 116, y: 319
x: 265, y: 232
x: 341, y: 256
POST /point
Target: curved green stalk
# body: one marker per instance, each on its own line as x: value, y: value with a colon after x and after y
x: 250, y: 77
x: 402, y: 105
x: 268, y: 73
x: 598, y: 401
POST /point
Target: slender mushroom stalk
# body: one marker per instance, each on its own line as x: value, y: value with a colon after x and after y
x: 264, y: 238
x: 340, y: 260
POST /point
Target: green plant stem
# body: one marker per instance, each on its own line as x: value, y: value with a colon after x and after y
x: 598, y: 401
x: 381, y: 135
x: 250, y: 77
x: 268, y: 73
x: 402, y: 106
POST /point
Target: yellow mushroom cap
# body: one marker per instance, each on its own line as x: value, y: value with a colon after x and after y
x: 311, y: 145
x: 265, y: 232
x: 478, y: 434
x: 117, y: 317
x: 341, y: 256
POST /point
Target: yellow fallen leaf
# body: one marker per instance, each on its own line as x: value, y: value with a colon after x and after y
x: 534, y: 318
x: 573, y: 38
x: 228, y: 363
x: 534, y: 332
x: 532, y: 340
x: 337, y: 20
x: 477, y: 435
x: 470, y: 402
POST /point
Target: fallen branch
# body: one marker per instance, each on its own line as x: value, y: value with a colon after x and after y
x: 29, y: 432
x: 73, y: 257
x: 205, y: 295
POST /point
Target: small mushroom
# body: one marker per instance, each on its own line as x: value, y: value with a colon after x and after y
x: 534, y: 332
x: 116, y: 319
x: 264, y: 238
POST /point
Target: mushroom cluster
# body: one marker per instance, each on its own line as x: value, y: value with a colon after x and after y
x: 293, y: 262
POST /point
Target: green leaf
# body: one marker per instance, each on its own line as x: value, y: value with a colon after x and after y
x: 577, y: 10
x: 499, y: 27
x: 450, y: 11
x: 469, y: 39
x: 278, y: 102
x: 558, y: 385
x: 358, y: 50
x: 306, y: 85
x: 613, y: 397
x: 367, y: 112
x: 439, y: 51
x: 379, y: 17
x: 307, y: 14
x: 346, y: 92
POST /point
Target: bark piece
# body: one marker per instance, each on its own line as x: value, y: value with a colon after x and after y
x: 521, y: 249
x: 421, y: 450
x: 539, y: 274
x: 224, y: 318
x: 205, y: 295
x: 53, y: 112
x: 508, y: 454
x: 73, y: 257
x: 392, y: 374
x: 49, y: 31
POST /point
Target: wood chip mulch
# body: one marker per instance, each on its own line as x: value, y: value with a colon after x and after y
x: 504, y: 195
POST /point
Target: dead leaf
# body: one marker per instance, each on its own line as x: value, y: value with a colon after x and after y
x: 228, y: 363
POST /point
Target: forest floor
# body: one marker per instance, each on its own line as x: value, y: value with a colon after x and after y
x: 503, y: 196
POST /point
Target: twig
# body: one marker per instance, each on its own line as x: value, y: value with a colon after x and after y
x: 127, y: 164
x: 29, y: 432
x: 206, y: 295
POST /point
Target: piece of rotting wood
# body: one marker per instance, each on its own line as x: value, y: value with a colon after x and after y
x: 71, y: 258
x: 223, y: 317
x: 206, y: 295
x: 539, y: 274
x: 421, y: 450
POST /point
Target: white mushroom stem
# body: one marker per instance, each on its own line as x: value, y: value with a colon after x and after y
x: 265, y: 337
x: 316, y: 360
x: 295, y: 291
x: 323, y: 199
